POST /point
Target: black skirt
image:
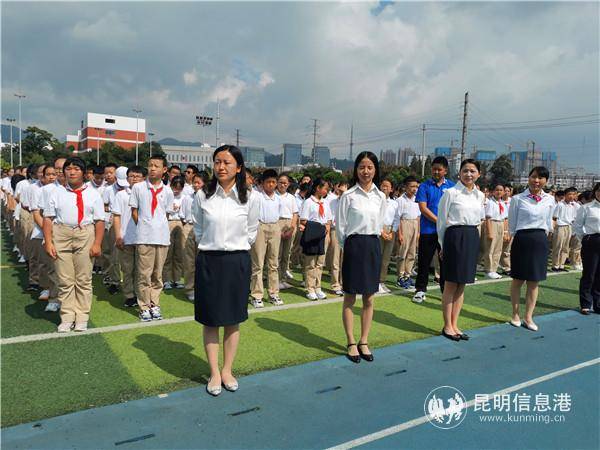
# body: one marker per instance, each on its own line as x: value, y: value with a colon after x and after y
x: 361, y: 264
x: 460, y: 252
x: 222, y: 287
x: 529, y: 255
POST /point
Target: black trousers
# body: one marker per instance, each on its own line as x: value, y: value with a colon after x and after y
x: 589, y: 285
x: 428, y: 246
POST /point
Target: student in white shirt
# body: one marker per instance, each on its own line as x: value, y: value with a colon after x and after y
x: 495, y: 231
x: 24, y: 216
x: 190, y: 173
x: 297, y: 258
x: 288, y: 222
x: 173, y: 268
x: 388, y: 235
x: 315, y: 209
x: 361, y: 215
x: 30, y: 199
x: 507, y: 241
x: 125, y: 231
x: 574, y: 241
x: 587, y: 228
x: 459, y: 215
x: 564, y: 215
x: 407, y: 222
x: 112, y: 273
x: 151, y: 201
x: 73, y: 229
x: 334, y: 256
x: 529, y: 222
x: 190, y: 246
x: 225, y: 223
x: 96, y: 182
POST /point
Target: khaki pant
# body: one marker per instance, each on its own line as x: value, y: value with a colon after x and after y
x: 560, y: 245
x: 285, y: 249
x: 74, y: 271
x: 408, y: 249
x: 190, y: 250
x: 333, y: 260
x: 126, y: 258
x: 110, y: 253
x: 268, y: 240
x: 150, y: 259
x: 26, y: 227
x: 35, y: 262
x: 505, y: 258
x: 173, y: 268
x: 48, y: 278
x: 492, y: 248
x: 386, y: 254
x: 313, y: 269
x: 575, y: 250
x: 297, y: 259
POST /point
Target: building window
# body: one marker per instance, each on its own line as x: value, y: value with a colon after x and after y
x: 110, y: 132
x: 109, y: 120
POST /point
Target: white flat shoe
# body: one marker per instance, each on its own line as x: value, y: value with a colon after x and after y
x: 515, y: 323
x: 231, y: 387
x: 530, y: 326
x: 214, y: 390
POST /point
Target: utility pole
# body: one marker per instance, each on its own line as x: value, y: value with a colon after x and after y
x: 423, y: 152
x: 11, y: 121
x: 217, y: 128
x: 150, y: 134
x: 237, y: 137
x: 137, y: 111
x: 351, y: 140
x: 314, y: 139
x: 464, y: 129
x: 20, y: 97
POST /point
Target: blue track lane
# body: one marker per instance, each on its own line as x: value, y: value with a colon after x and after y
x: 330, y: 402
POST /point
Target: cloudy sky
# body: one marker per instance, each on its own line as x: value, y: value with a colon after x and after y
x: 387, y: 68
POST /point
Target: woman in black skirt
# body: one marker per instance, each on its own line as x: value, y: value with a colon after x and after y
x: 529, y: 222
x: 225, y: 215
x: 459, y: 214
x: 361, y: 212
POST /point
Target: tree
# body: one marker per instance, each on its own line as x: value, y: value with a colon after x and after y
x: 428, y: 167
x: 415, y: 167
x: 501, y: 171
x: 40, y: 146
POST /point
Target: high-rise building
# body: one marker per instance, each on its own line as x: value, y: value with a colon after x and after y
x: 292, y: 154
x: 405, y: 156
x: 253, y: 156
x: 388, y: 157
x: 486, y: 156
x: 322, y: 156
x: 524, y: 161
x: 443, y: 151
x: 98, y: 129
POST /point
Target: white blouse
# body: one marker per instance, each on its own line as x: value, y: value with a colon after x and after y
x: 496, y: 210
x: 310, y: 211
x: 62, y: 206
x: 222, y: 222
x: 564, y: 213
x: 459, y: 206
x: 270, y: 208
x: 152, y: 229
x: 527, y: 214
x: 391, y: 209
x: 289, y: 205
x: 120, y: 206
x: 587, y: 220
x: 361, y: 212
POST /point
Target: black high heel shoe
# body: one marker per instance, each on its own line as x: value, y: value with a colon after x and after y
x: 364, y: 356
x: 452, y: 337
x: 353, y: 358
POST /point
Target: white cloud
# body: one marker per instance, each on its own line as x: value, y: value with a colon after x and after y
x: 190, y: 78
x: 228, y: 90
x: 111, y: 30
x: 265, y: 79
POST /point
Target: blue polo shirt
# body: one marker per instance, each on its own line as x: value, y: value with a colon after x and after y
x: 431, y: 193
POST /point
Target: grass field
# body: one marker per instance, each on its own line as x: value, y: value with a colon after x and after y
x: 52, y: 377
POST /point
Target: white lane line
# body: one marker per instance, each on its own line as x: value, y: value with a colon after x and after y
x: 423, y: 419
x: 176, y: 320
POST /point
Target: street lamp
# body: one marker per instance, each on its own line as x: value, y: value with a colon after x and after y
x: 150, y: 134
x: 205, y: 121
x: 97, y: 146
x: 11, y: 121
x: 20, y: 97
x: 137, y: 111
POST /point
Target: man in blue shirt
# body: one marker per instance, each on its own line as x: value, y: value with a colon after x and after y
x: 428, y: 197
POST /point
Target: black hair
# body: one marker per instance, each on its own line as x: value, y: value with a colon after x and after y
x: 342, y: 182
x: 249, y: 171
x: 15, y: 179
x: 31, y: 170
x: 98, y: 170
x: 541, y: 172
x: 240, y: 178
x: 305, y: 187
x: 442, y: 161
x: 111, y: 164
x: 48, y: 166
x: 306, y: 175
x: 293, y: 187
x: 204, y: 175
x: 560, y: 193
x: 494, y: 185
x: 410, y: 179
x: 193, y: 168
x: 178, y: 181
x: 287, y: 175
x: 138, y: 169
x: 317, y: 184
x: 389, y: 180
x: 595, y: 189
x: 161, y: 158
x: 470, y: 161
x: 174, y: 167
x: 570, y: 189
x: 373, y: 158
x: 75, y: 161
x: 269, y: 173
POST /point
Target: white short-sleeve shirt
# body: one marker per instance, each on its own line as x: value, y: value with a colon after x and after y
x: 289, y: 205
x: 120, y: 206
x: 152, y: 229
x: 62, y: 206
x: 310, y: 211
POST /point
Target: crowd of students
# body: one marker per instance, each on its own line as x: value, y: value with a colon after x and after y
x: 149, y: 229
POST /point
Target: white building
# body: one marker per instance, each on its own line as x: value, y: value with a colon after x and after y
x: 182, y: 155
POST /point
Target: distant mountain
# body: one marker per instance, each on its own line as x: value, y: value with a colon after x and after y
x: 173, y: 141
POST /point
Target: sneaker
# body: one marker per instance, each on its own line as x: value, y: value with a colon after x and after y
x: 106, y: 281
x: 401, y: 282
x: 167, y: 286
x: 555, y: 269
x: 339, y: 292
x: 578, y: 267
x: 419, y: 297
x: 411, y: 282
x: 289, y: 275
x: 283, y: 285
x: 33, y: 287
x: 276, y: 300
x: 414, y: 273
x: 387, y: 289
x: 16, y: 249
x: 113, y: 289
x: 312, y: 296
x: 52, y: 307
x: 480, y: 268
x: 381, y: 289
x: 145, y: 316
x: 44, y: 295
x: 96, y: 269
x: 191, y: 297
x: 179, y: 285
x: 155, y: 312
x: 321, y: 295
x: 303, y: 284
x: 493, y: 276
x: 65, y: 327
x: 563, y: 269
x: 22, y: 259
x: 256, y: 302
x: 130, y: 302
x: 80, y: 326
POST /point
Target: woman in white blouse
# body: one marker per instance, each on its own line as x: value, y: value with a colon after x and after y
x: 361, y: 213
x: 529, y: 222
x: 225, y: 215
x: 587, y: 229
x: 459, y: 214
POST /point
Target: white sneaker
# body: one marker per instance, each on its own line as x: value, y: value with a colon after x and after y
x: 22, y: 259
x: 191, y: 297
x: 52, y: 307
x: 311, y: 296
x: 276, y: 300
x: 303, y: 284
x: 44, y: 295
x: 414, y: 273
x: 256, y: 302
x: 578, y: 267
x: 145, y: 316
x: 65, y: 327
x: 155, y: 312
x: 167, y: 285
x: 321, y: 295
x: 16, y: 249
x: 289, y: 275
x: 339, y: 292
x: 419, y: 297
x: 179, y: 285
x: 283, y: 285
x: 381, y: 289
x: 493, y: 275
x: 81, y: 326
x: 480, y: 268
